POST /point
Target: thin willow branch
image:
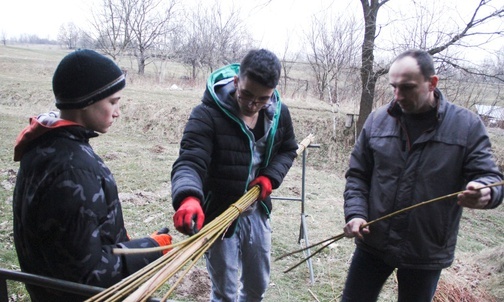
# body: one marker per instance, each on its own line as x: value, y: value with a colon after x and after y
x: 336, y: 238
x: 308, y: 247
x: 342, y: 235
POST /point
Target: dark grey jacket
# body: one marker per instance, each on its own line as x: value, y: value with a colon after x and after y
x: 67, y: 213
x: 387, y: 173
x: 215, y: 157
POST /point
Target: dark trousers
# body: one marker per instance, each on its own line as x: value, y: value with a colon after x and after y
x: 368, y: 273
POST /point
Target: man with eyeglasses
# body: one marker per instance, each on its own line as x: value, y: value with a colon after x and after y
x: 241, y: 135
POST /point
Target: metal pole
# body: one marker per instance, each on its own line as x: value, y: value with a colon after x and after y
x: 303, y: 231
x: 4, y: 296
x: 303, y: 228
x: 47, y: 282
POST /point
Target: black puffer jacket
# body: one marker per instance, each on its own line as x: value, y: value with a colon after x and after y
x: 67, y: 214
x: 388, y: 173
x: 216, y: 152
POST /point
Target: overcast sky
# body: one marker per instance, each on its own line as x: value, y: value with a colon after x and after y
x: 268, y: 23
x: 271, y: 25
x: 44, y: 17
x: 40, y: 17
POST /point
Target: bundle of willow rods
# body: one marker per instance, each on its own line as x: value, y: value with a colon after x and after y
x: 142, y: 284
x: 326, y: 242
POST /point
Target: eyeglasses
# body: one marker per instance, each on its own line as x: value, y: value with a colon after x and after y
x: 250, y: 102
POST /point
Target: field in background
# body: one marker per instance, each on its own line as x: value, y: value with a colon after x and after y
x: 142, y: 145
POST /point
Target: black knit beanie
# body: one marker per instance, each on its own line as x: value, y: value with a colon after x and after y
x: 84, y: 77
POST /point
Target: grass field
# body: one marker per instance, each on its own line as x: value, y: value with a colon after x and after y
x: 142, y: 145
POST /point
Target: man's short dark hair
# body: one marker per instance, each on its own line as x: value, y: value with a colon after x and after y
x: 262, y: 66
x: 424, y: 61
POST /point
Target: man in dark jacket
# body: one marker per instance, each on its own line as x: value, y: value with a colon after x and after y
x: 67, y: 213
x: 417, y: 148
x: 240, y: 135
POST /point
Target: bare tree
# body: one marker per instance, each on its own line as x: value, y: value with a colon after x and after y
x: 231, y: 38
x: 287, y: 60
x: 165, y: 50
x: 212, y: 37
x: 332, y: 47
x: 3, y: 37
x: 497, y: 64
x: 150, y: 21
x: 197, y: 39
x: 68, y: 35
x: 436, y: 42
x: 110, y: 23
x: 320, y: 58
x: 368, y: 75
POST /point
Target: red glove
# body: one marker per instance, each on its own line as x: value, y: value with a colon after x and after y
x: 265, y: 185
x: 162, y: 238
x: 189, y: 217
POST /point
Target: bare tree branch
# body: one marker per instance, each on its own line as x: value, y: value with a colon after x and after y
x: 424, y: 34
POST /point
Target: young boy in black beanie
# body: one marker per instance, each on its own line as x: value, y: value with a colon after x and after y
x: 67, y: 214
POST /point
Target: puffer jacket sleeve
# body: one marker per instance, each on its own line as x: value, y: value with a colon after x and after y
x: 479, y: 164
x: 285, y: 145
x: 358, y: 176
x: 82, y: 223
x: 195, y: 152
x: 135, y: 262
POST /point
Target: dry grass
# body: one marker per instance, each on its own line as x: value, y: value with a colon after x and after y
x: 474, y: 279
x: 143, y: 144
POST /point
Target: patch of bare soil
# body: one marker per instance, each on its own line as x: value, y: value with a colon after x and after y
x: 158, y: 149
x: 195, y: 286
x: 10, y: 181
x: 110, y: 156
x: 138, y: 197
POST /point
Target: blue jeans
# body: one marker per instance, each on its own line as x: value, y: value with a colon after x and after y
x: 368, y: 273
x: 248, y: 251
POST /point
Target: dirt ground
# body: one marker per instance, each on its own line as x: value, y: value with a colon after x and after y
x: 195, y: 286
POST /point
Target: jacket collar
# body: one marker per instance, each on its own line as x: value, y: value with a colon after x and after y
x: 394, y: 109
x: 47, y: 123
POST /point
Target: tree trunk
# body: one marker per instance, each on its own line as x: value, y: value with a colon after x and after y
x: 141, y: 63
x: 368, y: 76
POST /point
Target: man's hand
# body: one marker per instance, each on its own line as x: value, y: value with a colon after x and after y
x: 189, y: 217
x: 473, y: 198
x: 265, y: 185
x: 353, y: 228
